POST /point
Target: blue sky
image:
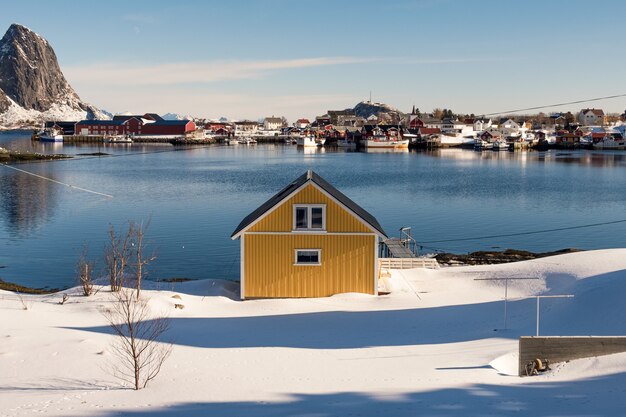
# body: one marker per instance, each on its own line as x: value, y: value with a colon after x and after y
x: 249, y: 59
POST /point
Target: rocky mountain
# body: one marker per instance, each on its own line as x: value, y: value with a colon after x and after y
x: 176, y: 116
x: 366, y: 109
x: 32, y: 86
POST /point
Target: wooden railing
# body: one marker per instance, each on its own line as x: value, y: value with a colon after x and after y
x: 408, y: 263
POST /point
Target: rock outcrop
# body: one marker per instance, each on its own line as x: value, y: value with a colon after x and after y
x: 32, y: 86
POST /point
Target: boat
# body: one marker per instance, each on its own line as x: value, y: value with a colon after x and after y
x: 500, y: 145
x: 346, y: 143
x: 448, y: 141
x: 51, y: 135
x: 611, y: 141
x: 245, y: 141
x: 310, y: 141
x: 382, y: 141
x: 118, y: 139
x: 481, y: 145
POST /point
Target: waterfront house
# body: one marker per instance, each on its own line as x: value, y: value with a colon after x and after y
x: 509, y: 124
x: 481, y: 124
x: 490, y: 135
x: 145, y: 125
x: 309, y: 240
x: 302, y: 123
x: 272, y: 123
x: 592, y: 117
x: 245, y: 127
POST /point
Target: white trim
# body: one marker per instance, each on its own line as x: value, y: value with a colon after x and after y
x: 356, y: 216
x: 313, y: 232
x: 242, y: 294
x: 375, y: 265
x: 309, y: 217
x: 267, y: 213
x: 296, y: 191
x: 319, y: 257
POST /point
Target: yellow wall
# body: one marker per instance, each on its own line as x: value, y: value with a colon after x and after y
x: 347, y: 260
x: 347, y: 265
x: 337, y: 219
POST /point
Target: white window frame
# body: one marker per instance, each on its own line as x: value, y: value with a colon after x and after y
x: 309, y: 208
x: 319, y: 257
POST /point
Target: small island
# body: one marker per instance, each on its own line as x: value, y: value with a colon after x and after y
x: 7, y: 156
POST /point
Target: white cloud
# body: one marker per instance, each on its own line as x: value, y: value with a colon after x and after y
x: 193, y: 72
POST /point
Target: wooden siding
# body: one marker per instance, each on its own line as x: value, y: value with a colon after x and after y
x: 347, y: 265
x: 338, y: 220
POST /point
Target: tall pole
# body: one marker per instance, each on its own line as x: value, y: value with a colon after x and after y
x: 548, y: 296
x: 537, y: 334
x: 506, y: 293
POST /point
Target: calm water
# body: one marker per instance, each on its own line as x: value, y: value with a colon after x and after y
x: 196, y: 197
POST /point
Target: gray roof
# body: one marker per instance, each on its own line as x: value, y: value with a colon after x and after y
x: 324, y: 185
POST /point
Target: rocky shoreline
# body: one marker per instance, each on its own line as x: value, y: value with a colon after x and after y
x: 495, y: 257
x: 16, y: 156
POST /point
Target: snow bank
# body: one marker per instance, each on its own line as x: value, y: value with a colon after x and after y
x: 429, y: 347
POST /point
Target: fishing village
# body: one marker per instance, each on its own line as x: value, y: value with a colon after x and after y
x: 384, y: 127
x: 228, y: 222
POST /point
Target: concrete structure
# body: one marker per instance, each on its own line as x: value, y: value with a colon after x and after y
x: 564, y: 348
x: 309, y: 240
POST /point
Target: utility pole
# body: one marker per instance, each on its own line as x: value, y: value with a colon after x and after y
x: 548, y: 296
x: 506, y: 291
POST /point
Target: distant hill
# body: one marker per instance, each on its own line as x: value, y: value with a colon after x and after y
x: 32, y: 86
x: 366, y: 109
x: 176, y: 116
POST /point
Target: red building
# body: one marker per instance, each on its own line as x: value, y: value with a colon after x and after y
x: 149, y: 124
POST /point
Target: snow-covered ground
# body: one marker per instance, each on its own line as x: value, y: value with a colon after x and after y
x: 429, y: 348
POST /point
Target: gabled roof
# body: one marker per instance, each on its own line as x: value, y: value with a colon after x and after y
x: 163, y: 122
x: 102, y: 122
x: 309, y: 176
x: 153, y: 116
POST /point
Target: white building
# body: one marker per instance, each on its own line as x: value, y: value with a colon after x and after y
x: 591, y: 117
x: 272, y: 123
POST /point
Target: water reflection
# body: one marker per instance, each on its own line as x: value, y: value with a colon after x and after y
x: 26, y: 202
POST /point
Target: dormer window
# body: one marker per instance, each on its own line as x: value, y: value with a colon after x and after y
x: 309, y: 217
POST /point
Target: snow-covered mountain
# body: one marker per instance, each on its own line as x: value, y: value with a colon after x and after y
x: 32, y: 86
x: 176, y: 116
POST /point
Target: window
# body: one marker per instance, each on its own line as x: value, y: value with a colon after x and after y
x: 309, y: 217
x: 308, y: 256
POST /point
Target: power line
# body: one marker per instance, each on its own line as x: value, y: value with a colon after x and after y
x: 58, y: 182
x: 556, y: 105
x: 527, y: 233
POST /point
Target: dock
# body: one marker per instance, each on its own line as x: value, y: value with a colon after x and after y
x: 397, y: 248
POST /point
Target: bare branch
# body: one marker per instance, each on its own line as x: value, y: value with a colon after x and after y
x: 139, y: 353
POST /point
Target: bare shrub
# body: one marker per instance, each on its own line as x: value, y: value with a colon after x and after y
x: 84, y: 272
x: 116, y: 257
x: 138, y: 353
x: 137, y: 232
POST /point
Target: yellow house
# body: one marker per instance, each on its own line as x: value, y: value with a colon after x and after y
x: 309, y: 240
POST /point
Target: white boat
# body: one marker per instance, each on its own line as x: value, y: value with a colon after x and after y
x: 310, y: 141
x: 455, y: 140
x: 382, y: 141
x: 119, y: 139
x: 51, y: 135
x: 346, y: 143
x: 480, y: 144
x: 500, y: 145
x: 610, y: 141
x: 246, y: 141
